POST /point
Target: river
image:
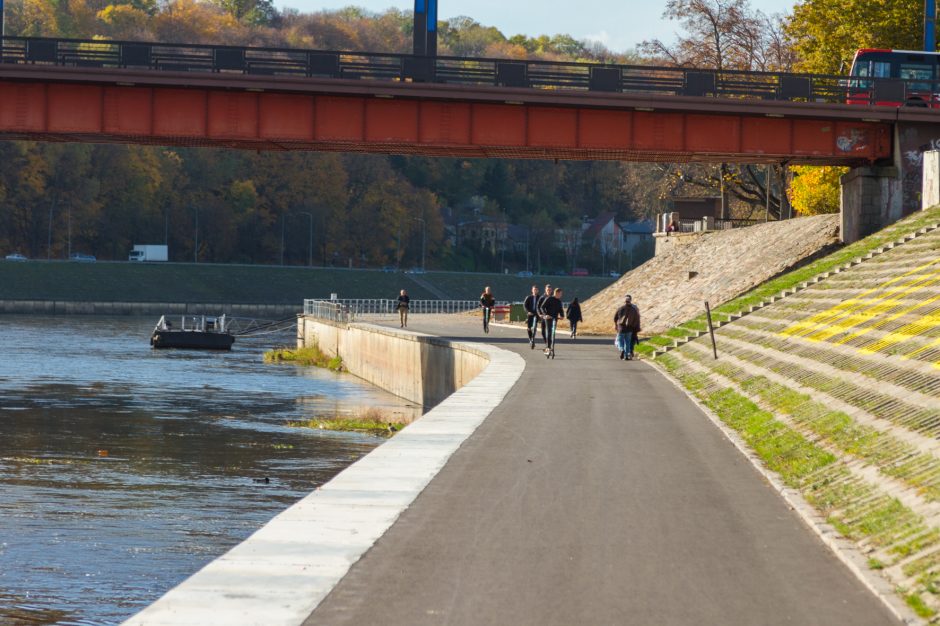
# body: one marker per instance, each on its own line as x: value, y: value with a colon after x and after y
x: 124, y: 469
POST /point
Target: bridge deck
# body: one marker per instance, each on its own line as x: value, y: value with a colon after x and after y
x: 596, y: 493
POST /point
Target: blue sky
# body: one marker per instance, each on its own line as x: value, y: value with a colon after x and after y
x: 619, y: 24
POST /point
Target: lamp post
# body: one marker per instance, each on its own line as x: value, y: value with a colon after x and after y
x: 196, y: 239
x: 283, y: 221
x: 424, y: 238
x: 310, y: 244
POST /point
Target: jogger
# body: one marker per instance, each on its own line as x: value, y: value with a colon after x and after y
x: 487, y: 301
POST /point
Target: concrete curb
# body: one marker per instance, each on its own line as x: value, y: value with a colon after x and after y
x: 282, y: 572
x: 842, y: 548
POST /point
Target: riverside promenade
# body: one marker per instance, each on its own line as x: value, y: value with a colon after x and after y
x: 596, y: 492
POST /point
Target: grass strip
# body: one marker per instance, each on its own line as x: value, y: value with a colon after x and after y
x: 309, y: 355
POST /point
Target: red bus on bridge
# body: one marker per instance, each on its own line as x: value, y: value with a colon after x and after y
x: 914, y: 73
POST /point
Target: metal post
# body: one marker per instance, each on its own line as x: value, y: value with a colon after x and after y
x: 431, y: 47
x: 711, y: 328
x: 421, y: 28
x: 930, y: 26
x: 310, y: 244
x: 196, y: 239
x: 283, y: 221
x: 767, y: 184
x: 424, y: 238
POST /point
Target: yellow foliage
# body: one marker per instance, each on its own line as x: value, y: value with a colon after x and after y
x: 815, y: 189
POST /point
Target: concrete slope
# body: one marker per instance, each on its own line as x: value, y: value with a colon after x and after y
x: 596, y: 493
x: 852, y: 363
x: 716, y: 266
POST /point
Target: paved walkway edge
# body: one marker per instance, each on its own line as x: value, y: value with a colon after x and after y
x: 842, y: 548
x: 282, y: 572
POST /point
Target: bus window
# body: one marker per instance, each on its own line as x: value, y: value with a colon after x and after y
x: 881, y: 69
x: 917, y: 72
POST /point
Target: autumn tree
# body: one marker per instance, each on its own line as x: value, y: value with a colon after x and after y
x: 826, y: 33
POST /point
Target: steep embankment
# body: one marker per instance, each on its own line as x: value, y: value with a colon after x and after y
x: 716, y: 266
x: 837, y: 388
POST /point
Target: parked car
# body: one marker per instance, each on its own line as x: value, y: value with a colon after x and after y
x: 524, y: 274
x: 16, y: 256
x: 415, y: 270
x: 580, y: 271
x: 82, y: 258
x: 561, y: 273
x: 614, y: 274
x: 389, y: 268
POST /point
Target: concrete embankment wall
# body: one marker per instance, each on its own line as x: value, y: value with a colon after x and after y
x: 419, y: 368
x: 61, y: 307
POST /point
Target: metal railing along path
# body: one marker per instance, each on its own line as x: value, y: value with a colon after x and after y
x: 534, y: 74
x: 346, y: 310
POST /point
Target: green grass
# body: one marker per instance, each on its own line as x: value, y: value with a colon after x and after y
x: 372, y: 421
x: 791, y: 279
x: 309, y: 355
x: 372, y: 427
x: 252, y: 284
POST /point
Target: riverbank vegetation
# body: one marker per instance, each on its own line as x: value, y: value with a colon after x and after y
x: 309, y: 355
x: 373, y: 421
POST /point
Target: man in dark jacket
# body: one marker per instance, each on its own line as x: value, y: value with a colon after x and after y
x: 634, y: 329
x: 551, y: 310
x: 531, y: 306
x: 626, y: 319
x: 538, y: 307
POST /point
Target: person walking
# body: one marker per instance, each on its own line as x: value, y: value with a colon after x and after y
x: 625, y: 318
x: 538, y: 307
x: 531, y: 306
x: 574, y: 316
x: 634, y: 329
x: 552, y: 310
x: 404, y: 303
x: 487, y: 301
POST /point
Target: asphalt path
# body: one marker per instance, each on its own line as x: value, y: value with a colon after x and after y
x: 596, y: 493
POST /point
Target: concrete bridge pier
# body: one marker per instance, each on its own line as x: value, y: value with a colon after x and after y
x: 877, y: 195
x: 871, y: 199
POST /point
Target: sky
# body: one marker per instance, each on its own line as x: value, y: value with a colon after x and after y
x: 618, y: 24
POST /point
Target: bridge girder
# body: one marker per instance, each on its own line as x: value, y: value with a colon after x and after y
x: 72, y: 104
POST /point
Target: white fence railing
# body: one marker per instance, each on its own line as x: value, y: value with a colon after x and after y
x: 347, y: 309
x: 328, y: 310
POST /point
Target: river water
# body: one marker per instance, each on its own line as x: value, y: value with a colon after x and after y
x: 123, y: 469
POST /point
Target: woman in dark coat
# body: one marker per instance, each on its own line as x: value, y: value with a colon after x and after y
x: 574, y: 316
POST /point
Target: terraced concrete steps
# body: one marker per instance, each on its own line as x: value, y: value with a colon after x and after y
x: 849, y: 363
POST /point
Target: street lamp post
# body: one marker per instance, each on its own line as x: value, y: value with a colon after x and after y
x: 196, y: 239
x: 283, y: 221
x: 310, y: 244
x: 424, y: 238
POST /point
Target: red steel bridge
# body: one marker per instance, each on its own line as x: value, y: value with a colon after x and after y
x: 290, y: 99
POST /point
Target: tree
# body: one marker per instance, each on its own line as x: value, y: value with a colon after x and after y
x: 252, y: 12
x: 826, y: 33
x: 815, y: 190
x: 720, y: 34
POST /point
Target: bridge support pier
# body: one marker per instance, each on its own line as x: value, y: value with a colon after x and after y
x: 871, y: 199
x: 878, y: 195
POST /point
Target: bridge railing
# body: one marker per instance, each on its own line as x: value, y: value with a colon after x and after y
x: 347, y: 309
x: 535, y: 74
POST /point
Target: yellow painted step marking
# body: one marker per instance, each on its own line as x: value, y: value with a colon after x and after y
x: 883, y: 321
x: 844, y: 315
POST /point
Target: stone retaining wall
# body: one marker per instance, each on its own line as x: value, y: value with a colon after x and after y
x: 716, y: 266
x: 419, y: 368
